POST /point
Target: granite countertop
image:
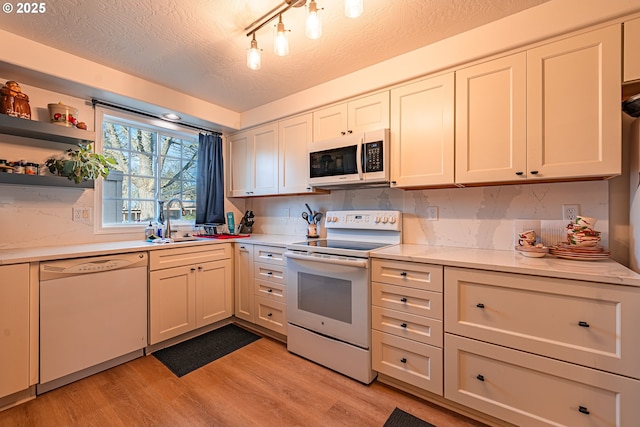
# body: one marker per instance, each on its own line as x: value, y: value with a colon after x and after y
x: 48, y: 253
x: 605, y: 271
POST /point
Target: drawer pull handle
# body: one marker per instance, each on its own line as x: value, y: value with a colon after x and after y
x: 519, y: 173
x: 193, y: 269
x: 480, y: 377
x: 403, y: 360
x: 403, y: 299
x: 403, y: 274
x: 270, y: 314
x: 583, y: 324
x: 270, y: 290
x: 534, y: 172
x: 403, y: 325
x: 269, y: 273
x: 480, y: 305
x: 269, y: 255
x: 583, y: 410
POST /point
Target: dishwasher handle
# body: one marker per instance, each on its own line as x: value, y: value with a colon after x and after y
x: 79, y: 266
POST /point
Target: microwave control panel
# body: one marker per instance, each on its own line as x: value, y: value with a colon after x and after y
x: 373, y: 157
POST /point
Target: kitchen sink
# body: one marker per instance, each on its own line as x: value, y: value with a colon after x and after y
x: 185, y: 239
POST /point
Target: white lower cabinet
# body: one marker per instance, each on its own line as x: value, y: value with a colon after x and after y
x: 407, y: 323
x: 269, y: 281
x: 188, y: 288
x: 539, y: 351
x: 14, y: 329
x: 243, y: 267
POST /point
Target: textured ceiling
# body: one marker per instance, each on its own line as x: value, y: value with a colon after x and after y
x: 199, y: 46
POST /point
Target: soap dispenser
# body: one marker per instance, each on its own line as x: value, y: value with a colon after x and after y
x: 149, y: 231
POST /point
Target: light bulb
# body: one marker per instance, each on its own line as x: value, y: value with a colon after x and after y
x: 314, y: 23
x: 253, y: 55
x: 281, y: 42
x: 353, y: 8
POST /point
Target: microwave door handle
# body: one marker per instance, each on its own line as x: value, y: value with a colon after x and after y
x: 360, y: 155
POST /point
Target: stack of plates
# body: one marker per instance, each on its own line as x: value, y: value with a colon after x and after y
x: 533, y: 251
x: 581, y: 253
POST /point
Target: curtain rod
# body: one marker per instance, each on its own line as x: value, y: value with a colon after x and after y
x: 95, y: 102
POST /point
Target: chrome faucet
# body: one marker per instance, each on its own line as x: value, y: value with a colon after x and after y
x: 184, y: 212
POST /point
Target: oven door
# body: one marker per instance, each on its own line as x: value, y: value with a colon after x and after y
x: 330, y: 295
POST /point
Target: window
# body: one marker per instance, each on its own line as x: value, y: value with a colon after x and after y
x: 155, y: 164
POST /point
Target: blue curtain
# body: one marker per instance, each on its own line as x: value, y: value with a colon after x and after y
x: 210, y: 181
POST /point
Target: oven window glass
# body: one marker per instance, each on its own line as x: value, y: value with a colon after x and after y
x: 325, y: 296
x: 338, y: 161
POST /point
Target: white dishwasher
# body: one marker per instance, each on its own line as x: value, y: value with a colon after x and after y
x: 93, y: 316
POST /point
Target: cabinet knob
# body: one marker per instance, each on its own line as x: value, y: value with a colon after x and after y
x: 403, y: 360
x: 242, y: 247
x: 519, y: 173
x: 343, y: 133
x: 200, y: 267
x: 480, y: 377
x: 403, y: 274
x: 403, y: 299
x: 583, y: 324
x: 403, y: 325
x: 534, y: 172
x: 480, y: 305
x: 584, y: 410
x: 349, y: 131
x: 270, y: 314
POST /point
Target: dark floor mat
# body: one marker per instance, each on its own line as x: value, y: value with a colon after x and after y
x: 189, y: 355
x: 399, y: 418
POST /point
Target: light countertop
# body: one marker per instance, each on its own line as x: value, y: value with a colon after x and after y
x: 48, y: 253
x: 605, y: 271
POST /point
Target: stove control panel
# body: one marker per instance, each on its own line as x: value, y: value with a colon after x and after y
x: 365, y: 220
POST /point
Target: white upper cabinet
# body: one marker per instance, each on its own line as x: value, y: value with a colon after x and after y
x: 254, y: 162
x: 632, y: 50
x: 491, y: 128
x: 573, y: 106
x: 294, y: 134
x: 422, y: 133
x: 360, y: 115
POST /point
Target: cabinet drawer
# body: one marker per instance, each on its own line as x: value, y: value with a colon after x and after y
x: 580, y: 322
x: 271, y: 315
x: 269, y: 254
x: 411, y: 274
x: 414, y: 363
x: 530, y: 390
x: 407, y: 300
x: 271, y: 290
x: 176, y: 257
x: 269, y: 273
x: 417, y: 328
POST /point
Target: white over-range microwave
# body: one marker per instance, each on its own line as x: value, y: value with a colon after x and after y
x: 354, y: 159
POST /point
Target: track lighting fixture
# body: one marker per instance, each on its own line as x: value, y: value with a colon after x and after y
x: 353, y: 9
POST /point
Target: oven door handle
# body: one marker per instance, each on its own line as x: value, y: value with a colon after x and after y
x: 361, y: 263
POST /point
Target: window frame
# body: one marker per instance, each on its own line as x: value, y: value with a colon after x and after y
x: 167, y: 128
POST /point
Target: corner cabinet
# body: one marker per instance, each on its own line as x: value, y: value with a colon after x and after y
x: 43, y: 131
x: 15, y: 324
x: 359, y: 115
x: 422, y: 133
x: 254, y: 162
x: 189, y: 288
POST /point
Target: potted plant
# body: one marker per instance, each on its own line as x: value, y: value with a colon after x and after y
x: 81, y: 164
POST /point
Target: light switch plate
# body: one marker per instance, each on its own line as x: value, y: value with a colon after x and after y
x: 82, y: 214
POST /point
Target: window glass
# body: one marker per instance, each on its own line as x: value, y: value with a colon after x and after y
x: 153, y: 164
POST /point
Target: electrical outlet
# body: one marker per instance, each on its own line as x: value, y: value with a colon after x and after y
x: 82, y: 214
x: 570, y: 212
x: 432, y: 213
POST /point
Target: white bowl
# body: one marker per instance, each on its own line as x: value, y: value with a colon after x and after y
x: 533, y: 254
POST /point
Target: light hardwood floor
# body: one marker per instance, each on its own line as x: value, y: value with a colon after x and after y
x: 261, y: 384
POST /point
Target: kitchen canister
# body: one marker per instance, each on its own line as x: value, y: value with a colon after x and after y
x: 63, y: 115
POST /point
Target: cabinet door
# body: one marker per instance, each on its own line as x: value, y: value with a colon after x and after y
x: 265, y: 160
x: 14, y: 324
x: 422, y: 132
x: 491, y: 129
x: 631, y: 50
x: 329, y: 122
x: 214, y: 292
x: 172, y: 302
x: 244, y: 281
x: 240, y: 174
x: 294, y: 134
x: 368, y: 113
x: 573, y: 106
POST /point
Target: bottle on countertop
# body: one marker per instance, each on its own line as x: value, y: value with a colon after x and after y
x: 231, y: 223
x: 149, y: 231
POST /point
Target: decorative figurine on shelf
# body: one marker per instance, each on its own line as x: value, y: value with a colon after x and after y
x: 14, y: 102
